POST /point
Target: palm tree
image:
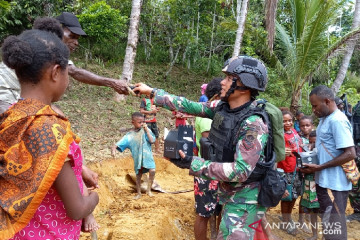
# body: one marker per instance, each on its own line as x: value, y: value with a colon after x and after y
x: 305, y: 46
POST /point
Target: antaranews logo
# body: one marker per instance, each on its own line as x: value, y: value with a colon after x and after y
x: 327, y: 228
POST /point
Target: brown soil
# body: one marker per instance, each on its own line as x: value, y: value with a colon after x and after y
x: 164, y: 216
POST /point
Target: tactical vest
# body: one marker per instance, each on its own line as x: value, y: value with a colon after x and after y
x: 225, y: 133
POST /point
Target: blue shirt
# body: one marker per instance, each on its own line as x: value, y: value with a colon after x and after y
x: 335, y: 132
x: 203, y: 98
x: 140, y: 147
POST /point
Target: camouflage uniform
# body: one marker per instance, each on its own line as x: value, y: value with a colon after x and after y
x: 240, y: 206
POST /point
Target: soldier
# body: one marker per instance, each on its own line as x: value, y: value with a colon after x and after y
x: 238, y: 144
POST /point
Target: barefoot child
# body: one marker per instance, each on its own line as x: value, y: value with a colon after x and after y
x: 41, y: 183
x: 139, y: 142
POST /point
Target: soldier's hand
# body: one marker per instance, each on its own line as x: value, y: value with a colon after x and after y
x: 183, y: 162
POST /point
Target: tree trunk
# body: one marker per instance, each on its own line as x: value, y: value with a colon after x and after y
x: 130, y: 54
x: 348, y: 54
x: 212, y: 39
x: 241, y: 27
x: 270, y: 16
x: 295, y: 99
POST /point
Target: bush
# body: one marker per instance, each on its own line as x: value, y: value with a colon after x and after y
x: 106, y: 29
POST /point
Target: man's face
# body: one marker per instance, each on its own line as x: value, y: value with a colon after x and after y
x: 320, y: 107
x: 70, y: 39
x: 225, y: 86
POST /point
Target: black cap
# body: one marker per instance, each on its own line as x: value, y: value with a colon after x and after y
x: 70, y: 21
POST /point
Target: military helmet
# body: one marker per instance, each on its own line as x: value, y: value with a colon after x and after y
x: 251, y: 71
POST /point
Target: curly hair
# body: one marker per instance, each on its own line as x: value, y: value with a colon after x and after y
x: 308, y: 118
x: 286, y: 112
x: 213, y: 87
x: 50, y: 25
x: 31, y: 52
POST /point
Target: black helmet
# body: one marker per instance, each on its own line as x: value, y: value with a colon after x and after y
x: 251, y: 71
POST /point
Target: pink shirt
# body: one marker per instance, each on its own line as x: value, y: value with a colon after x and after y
x: 50, y: 220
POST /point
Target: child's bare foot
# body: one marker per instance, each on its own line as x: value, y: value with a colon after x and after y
x: 137, y: 196
x: 150, y: 194
x: 89, y: 224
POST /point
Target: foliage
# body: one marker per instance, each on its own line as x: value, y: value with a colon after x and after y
x: 304, y: 46
x: 20, y: 14
x: 104, y: 26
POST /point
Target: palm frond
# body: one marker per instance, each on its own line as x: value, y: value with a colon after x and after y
x: 314, y: 41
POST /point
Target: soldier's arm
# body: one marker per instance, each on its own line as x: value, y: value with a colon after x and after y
x: 248, y: 149
x: 182, y: 104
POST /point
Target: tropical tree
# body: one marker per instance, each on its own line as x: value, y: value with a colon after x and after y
x: 133, y: 37
x: 349, y: 52
x: 302, y: 48
x: 240, y: 19
x: 270, y: 17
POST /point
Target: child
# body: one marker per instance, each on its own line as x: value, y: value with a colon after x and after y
x: 292, y: 144
x: 41, y: 183
x: 148, y: 108
x: 139, y: 142
x: 309, y: 201
x: 298, y: 116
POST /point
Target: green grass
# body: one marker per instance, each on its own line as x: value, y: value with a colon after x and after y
x: 98, y: 119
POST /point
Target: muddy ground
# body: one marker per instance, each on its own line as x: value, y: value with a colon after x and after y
x: 165, y: 216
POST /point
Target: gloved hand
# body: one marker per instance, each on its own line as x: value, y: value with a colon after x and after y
x: 183, y: 162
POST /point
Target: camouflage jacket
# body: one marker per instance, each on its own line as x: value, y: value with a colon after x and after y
x: 249, y: 150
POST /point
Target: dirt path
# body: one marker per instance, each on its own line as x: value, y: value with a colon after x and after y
x: 165, y: 216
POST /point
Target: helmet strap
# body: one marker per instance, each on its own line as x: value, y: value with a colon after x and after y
x: 232, y: 89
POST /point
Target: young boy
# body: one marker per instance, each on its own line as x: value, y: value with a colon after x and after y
x: 309, y: 201
x: 139, y: 142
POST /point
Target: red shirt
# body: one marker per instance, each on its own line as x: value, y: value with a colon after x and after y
x: 292, y: 141
x: 146, y: 105
x: 179, y: 121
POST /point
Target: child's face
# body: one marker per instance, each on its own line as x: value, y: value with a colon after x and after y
x: 299, y: 116
x: 312, y: 140
x: 288, y: 122
x: 137, y: 122
x: 306, y: 126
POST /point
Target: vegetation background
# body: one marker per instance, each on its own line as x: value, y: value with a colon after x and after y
x: 184, y: 43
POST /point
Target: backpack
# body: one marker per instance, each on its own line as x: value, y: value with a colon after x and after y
x: 277, y: 129
x: 272, y: 184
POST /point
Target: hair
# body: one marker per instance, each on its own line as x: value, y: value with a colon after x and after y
x: 312, y: 134
x: 32, y: 51
x: 49, y: 25
x: 307, y: 118
x: 137, y: 115
x: 213, y: 87
x: 284, y: 109
x: 284, y: 112
x: 323, y: 92
x: 298, y: 112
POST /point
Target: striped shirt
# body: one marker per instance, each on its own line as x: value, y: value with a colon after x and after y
x: 9, y: 85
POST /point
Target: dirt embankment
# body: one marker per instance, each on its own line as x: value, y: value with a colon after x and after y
x: 165, y: 216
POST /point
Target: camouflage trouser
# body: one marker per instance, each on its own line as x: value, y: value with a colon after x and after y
x: 354, y: 194
x: 236, y: 218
